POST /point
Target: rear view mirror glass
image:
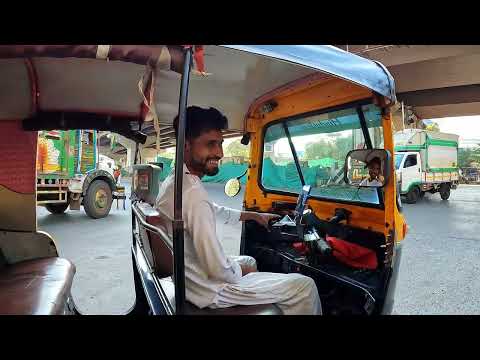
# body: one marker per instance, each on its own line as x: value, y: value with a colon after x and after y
x: 367, y: 167
x: 232, y: 187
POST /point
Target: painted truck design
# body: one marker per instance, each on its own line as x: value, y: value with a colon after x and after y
x: 70, y: 173
x: 426, y: 161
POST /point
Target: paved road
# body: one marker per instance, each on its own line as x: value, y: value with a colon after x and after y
x: 438, y: 275
x: 441, y: 259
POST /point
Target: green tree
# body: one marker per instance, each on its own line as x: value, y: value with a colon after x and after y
x: 318, y: 150
x: 464, y: 157
x: 344, y: 145
x: 337, y: 149
x: 433, y: 127
x: 468, y: 155
x: 236, y: 148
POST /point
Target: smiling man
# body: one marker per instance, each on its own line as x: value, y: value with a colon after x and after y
x: 374, y: 178
x: 213, y: 279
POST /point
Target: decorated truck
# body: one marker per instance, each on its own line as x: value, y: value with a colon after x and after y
x: 70, y: 172
x: 426, y: 161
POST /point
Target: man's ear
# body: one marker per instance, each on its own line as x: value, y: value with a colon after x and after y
x: 188, y: 145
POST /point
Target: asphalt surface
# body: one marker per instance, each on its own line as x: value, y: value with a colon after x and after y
x: 438, y: 275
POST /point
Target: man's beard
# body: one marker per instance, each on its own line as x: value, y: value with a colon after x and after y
x: 201, y: 166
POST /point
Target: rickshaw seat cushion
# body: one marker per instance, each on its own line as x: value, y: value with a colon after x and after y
x: 263, y: 309
x: 191, y: 309
x: 36, y: 287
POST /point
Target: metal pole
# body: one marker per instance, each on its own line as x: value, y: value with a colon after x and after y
x: 363, y: 124
x: 294, y: 153
x: 178, y: 246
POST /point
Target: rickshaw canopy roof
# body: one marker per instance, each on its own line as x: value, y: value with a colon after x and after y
x: 105, y: 79
x: 333, y: 61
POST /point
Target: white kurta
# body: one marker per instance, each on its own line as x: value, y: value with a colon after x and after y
x: 374, y: 182
x: 214, y: 279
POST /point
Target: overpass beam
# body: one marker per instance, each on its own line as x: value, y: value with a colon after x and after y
x: 463, y: 94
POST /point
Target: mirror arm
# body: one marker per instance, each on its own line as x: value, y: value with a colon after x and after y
x: 239, y: 177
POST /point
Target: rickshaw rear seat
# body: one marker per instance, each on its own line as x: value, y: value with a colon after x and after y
x: 36, y: 287
x: 190, y: 309
x: 163, y: 268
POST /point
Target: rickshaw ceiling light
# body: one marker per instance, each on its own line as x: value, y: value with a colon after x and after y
x: 268, y: 107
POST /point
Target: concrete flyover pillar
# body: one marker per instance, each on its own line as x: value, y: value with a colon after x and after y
x: 130, y: 146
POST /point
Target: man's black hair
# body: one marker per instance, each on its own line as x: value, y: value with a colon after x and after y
x: 200, y: 120
x: 376, y: 159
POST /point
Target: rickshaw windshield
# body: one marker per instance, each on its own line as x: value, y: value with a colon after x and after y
x: 321, y: 143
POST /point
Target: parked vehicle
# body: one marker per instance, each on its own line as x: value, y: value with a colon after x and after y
x: 426, y: 161
x: 71, y: 172
x: 470, y: 175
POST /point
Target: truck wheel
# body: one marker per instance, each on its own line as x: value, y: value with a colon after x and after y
x: 98, y: 200
x: 413, y: 195
x: 445, y: 191
x: 57, y: 208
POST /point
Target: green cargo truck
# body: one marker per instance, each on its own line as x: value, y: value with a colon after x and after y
x: 426, y: 161
x: 70, y: 172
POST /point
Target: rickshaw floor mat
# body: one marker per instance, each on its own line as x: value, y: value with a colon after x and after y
x: 36, y: 287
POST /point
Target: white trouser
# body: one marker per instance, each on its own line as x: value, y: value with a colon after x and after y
x: 294, y: 294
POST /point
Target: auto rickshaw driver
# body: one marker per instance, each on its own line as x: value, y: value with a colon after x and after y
x: 213, y: 279
x: 375, y: 177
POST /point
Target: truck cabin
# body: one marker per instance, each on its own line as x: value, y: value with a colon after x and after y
x: 270, y: 97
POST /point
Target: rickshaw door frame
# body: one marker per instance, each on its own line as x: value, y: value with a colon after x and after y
x: 177, y: 223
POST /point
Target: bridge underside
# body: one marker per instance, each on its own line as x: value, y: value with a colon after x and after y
x: 435, y: 81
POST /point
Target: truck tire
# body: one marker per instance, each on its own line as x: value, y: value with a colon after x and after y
x: 98, y: 200
x: 445, y: 191
x: 413, y: 195
x: 57, y: 208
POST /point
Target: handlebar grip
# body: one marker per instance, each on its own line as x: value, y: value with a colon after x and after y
x: 323, y: 247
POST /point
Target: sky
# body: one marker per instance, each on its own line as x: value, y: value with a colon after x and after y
x: 467, y: 127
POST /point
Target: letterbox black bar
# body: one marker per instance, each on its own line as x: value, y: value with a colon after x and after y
x: 178, y: 245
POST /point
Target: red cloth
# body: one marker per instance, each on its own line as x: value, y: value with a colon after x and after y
x: 352, y: 254
x: 18, y: 149
x: 301, y: 247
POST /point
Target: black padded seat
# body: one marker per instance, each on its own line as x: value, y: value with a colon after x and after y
x: 36, y: 287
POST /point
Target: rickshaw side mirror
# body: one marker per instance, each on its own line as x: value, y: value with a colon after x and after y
x: 232, y: 187
x: 367, y: 168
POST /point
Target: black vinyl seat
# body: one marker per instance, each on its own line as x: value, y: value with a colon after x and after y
x: 36, y: 287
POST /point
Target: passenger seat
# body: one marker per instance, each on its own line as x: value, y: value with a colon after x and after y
x: 36, y: 287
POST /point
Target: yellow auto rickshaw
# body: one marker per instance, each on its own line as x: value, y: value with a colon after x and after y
x: 280, y: 99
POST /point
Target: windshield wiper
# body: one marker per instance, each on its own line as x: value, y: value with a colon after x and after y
x: 294, y: 153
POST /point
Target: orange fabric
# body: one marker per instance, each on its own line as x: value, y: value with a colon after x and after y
x: 352, y: 254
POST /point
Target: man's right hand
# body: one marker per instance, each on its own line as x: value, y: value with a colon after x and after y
x: 246, y: 269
